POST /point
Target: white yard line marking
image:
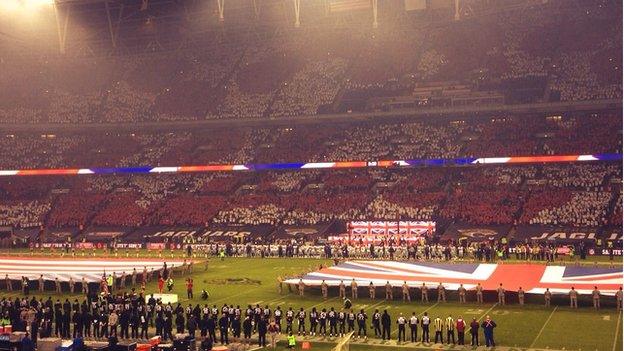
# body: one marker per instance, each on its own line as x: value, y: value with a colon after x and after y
x: 488, y: 311
x: 375, y: 305
x: 617, y: 330
x: 430, y: 307
x: 323, y: 302
x: 239, y: 294
x: 271, y: 302
x: 543, y: 327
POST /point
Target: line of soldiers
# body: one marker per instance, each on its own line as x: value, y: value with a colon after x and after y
x: 461, y: 293
x: 112, y: 280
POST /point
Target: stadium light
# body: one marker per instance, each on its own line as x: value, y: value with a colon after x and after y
x: 9, y: 6
x: 39, y: 2
x: 16, y: 5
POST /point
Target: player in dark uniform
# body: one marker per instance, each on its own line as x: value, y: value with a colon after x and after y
x: 266, y: 313
x: 301, y: 316
x: 278, y: 318
x: 323, y: 322
x: 247, y: 329
x: 290, y: 315
x: 223, y: 328
x: 313, y: 321
x: 361, y: 320
x: 377, y: 323
x: 257, y: 313
x: 350, y: 321
x: 386, y: 322
x: 333, y: 322
x: 342, y: 319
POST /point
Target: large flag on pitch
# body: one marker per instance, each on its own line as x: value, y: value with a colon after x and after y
x: 91, y: 269
x: 533, y: 278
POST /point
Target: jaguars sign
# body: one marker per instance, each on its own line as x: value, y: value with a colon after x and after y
x: 459, y: 232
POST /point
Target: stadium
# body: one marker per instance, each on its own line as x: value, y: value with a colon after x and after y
x: 196, y: 175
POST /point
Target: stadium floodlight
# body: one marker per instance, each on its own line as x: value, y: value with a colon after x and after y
x: 9, y: 6
x: 39, y: 2
x: 17, y: 5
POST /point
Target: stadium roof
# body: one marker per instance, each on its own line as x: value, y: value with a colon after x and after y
x: 104, y: 27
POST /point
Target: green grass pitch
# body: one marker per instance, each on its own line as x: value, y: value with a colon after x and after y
x: 519, y: 328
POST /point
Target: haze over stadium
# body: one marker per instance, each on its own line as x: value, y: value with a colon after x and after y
x: 183, y: 175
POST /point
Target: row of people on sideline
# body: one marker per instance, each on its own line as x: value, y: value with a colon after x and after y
x: 462, y: 292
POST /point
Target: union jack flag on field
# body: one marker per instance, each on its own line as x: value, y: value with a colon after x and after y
x: 533, y: 278
x: 76, y: 268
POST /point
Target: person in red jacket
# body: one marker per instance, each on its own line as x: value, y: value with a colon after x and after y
x: 161, y: 284
x: 460, y: 327
x: 189, y: 288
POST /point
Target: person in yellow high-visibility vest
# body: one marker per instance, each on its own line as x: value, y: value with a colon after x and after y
x: 438, y: 325
x: 110, y: 282
x: 291, y: 341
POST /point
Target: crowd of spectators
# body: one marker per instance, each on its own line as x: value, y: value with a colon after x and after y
x: 37, y: 151
x: 487, y: 195
x: 510, y: 175
x: 120, y: 209
x: 502, y: 135
x: 403, y: 141
x: 584, y: 209
x: 264, y: 214
x: 584, y: 135
x: 616, y: 214
x: 562, y: 194
x: 186, y: 209
x: 510, y: 136
x: 588, y: 177
x: 285, y: 182
x: 404, y: 205
x: 497, y: 206
x: 154, y: 148
x: 315, y: 85
x: 221, y: 184
x: 573, y: 195
x: 577, y: 80
x: 74, y: 210
x: 26, y: 214
x: 574, y: 54
x: 541, y: 199
x: 323, y: 207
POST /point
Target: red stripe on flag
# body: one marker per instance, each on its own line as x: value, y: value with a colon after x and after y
x: 513, y: 276
x: 533, y: 159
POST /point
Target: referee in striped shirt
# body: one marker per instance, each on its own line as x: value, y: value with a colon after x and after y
x: 438, y: 325
x: 449, y: 325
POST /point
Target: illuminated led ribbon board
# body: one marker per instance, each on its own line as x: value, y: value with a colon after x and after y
x: 319, y: 165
